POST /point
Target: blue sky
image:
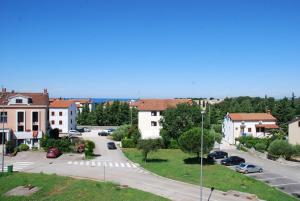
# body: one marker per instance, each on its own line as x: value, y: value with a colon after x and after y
x: 154, y: 48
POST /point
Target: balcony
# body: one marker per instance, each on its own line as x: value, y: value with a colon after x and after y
x: 27, y: 135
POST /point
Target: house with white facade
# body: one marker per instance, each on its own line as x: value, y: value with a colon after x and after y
x: 294, y: 131
x: 62, y: 115
x: 150, y: 112
x: 23, y: 117
x: 247, y: 124
x: 80, y: 103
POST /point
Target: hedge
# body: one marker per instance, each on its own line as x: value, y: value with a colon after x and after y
x: 128, y: 143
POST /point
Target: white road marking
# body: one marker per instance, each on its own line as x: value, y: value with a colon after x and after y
x: 87, y: 163
x: 17, y: 166
x: 81, y: 162
x: 105, y: 164
x: 99, y: 163
x: 110, y: 164
x: 133, y: 165
x: 269, y: 178
x: 93, y: 163
x: 75, y: 163
x: 128, y: 165
x: 69, y: 162
x: 122, y: 165
x: 116, y: 164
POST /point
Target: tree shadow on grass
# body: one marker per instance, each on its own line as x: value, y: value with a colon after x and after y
x: 156, y: 160
x: 197, y: 160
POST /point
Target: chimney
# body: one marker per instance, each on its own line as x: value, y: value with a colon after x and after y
x: 268, y: 111
x: 45, y: 91
x: 3, y: 90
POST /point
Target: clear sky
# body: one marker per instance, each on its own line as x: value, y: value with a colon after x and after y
x: 151, y: 48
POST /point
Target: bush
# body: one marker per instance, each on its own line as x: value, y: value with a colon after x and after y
x: 297, y: 149
x: 23, y: 147
x: 174, y: 144
x: 63, y: 144
x: 128, y: 143
x: 10, y: 145
x: 261, y: 147
x: 121, y: 132
x: 281, y: 148
x: 89, y: 148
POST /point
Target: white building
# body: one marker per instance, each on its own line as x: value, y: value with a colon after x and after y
x: 62, y: 115
x: 151, y: 112
x: 80, y: 103
x: 247, y: 124
x: 294, y: 131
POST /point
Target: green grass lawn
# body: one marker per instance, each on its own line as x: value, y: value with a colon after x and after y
x: 65, y: 188
x: 170, y: 163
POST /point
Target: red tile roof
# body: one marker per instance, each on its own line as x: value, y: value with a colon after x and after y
x: 251, y: 117
x: 37, y: 98
x: 61, y: 103
x: 159, y: 104
x: 269, y: 126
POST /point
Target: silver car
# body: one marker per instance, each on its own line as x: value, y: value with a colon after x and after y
x: 248, y: 168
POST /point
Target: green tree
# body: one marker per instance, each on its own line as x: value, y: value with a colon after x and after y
x: 190, y: 141
x: 148, y: 145
x: 180, y: 119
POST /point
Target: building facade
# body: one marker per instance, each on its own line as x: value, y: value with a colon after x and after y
x: 62, y: 115
x: 294, y: 131
x: 80, y: 103
x: 24, y: 117
x: 150, y: 113
x: 247, y: 124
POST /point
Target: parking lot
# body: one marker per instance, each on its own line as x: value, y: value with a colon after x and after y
x: 288, y: 185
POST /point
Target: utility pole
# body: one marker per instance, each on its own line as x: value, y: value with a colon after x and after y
x: 201, y: 165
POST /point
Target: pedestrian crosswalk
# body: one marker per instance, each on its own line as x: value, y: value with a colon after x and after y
x: 108, y: 164
x: 18, y: 166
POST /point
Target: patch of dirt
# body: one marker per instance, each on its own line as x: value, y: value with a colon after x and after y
x: 22, y: 191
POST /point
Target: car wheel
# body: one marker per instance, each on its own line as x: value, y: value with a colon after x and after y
x: 246, y: 171
x: 260, y: 170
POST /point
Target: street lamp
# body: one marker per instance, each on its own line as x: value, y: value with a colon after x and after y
x: 201, y: 164
x: 3, y: 134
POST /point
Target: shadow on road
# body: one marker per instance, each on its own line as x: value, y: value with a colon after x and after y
x: 196, y: 160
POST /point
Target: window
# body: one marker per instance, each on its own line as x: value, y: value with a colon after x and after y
x: 35, y: 116
x: 19, y: 101
x: 249, y: 130
x: 60, y: 113
x: 52, y: 122
x: 161, y: 113
x: 71, y: 121
x: 60, y: 130
x: 153, y: 113
x: 20, y: 117
x: 52, y: 113
x: 20, y: 128
x: 71, y: 112
x: 236, y: 128
x: 60, y: 122
x: 35, y: 127
x: 153, y: 123
x: 1, y: 133
x: 3, y: 117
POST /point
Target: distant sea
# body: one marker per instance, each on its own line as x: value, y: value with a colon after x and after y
x: 102, y: 100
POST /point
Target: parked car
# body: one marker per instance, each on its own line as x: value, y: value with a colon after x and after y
x: 111, y: 145
x: 103, y: 133
x: 232, y: 160
x: 53, y: 153
x: 80, y: 130
x: 110, y: 130
x: 248, y: 168
x: 80, y: 148
x: 217, y: 155
x: 86, y: 129
x: 74, y: 132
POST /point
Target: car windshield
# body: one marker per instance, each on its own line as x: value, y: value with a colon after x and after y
x: 242, y: 165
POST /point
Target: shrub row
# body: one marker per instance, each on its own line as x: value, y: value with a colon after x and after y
x: 281, y: 148
x: 63, y: 144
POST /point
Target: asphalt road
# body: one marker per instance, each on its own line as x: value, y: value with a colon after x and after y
x: 282, y: 176
x: 112, y: 165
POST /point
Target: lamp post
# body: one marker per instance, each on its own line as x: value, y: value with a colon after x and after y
x: 3, y: 135
x: 201, y: 163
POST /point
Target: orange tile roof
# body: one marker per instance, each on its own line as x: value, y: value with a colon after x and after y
x: 159, y: 104
x: 37, y: 98
x: 251, y: 117
x: 269, y: 126
x: 82, y: 101
x: 61, y: 103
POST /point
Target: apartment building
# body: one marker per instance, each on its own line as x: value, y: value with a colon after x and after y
x: 150, y: 112
x: 23, y: 117
x: 294, y: 131
x: 247, y: 124
x: 62, y: 115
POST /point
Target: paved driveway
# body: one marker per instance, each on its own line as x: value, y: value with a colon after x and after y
x: 282, y: 176
x: 112, y: 165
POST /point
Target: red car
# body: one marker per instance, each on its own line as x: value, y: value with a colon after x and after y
x: 53, y: 153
